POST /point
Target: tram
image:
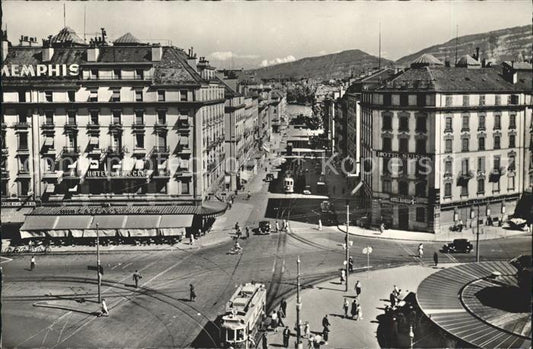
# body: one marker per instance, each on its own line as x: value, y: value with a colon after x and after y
x: 243, y: 317
x: 288, y: 184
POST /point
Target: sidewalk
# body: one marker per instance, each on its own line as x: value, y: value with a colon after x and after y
x: 327, y: 298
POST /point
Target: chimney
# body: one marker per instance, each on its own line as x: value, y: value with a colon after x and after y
x: 477, y: 54
x: 5, y: 45
x: 191, y: 59
x: 447, y: 63
x: 48, y: 52
x: 157, y: 53
x: 483, y: 63
x: 92, y: 54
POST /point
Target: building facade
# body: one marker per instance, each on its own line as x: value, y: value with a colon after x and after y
x: 440, y: 144
x: 99, y: 123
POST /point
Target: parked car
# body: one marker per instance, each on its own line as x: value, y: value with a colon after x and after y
x: 264, y: 227
x: 458, y: 245
x: 307, y: 192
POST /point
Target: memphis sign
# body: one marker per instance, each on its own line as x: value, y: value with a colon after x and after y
x: 38, y: 70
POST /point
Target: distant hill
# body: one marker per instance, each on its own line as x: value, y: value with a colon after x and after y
x: 332, y: 66
x: 498, y: 46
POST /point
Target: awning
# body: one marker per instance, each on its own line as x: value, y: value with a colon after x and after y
x: 142, y: 222
x: 172, y: 231
x: 102, y: 232
x: 74, y: 189
x: 74, y: 222
x: 109, y: 222
x: 50, y: 188
x: 183, y: 140
x: 25, y: 234
x: 175, y: 221
x: 77, y: 233
x: 93, y: 141
x: 49, y: 142
x: 14, y: 215
x: 39, y: 223
x: 62, y: 233
x: 139, y: 232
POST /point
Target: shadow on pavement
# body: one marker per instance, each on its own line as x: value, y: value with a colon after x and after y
x: 210, y: 335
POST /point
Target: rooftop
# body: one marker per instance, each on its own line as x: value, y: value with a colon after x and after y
x: 426, y: 60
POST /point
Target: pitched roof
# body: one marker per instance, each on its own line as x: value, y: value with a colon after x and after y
x: 125, y: 39
x: 519, y: 65
x: 426, y: 60
x: 67, y: 35
x: 467, y: 61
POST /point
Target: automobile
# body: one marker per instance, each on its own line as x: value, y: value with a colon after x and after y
x: 306, y: 192
x: 458, y: 245
x: 269, y: 177
x: 264, y: 227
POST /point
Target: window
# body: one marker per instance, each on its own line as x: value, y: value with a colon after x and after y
x: 420, y: 146
x: 138, y: 95
x: 387, y: 144
x: 481, y: 164
x: 448, y: 143
x: 481, y: 120
x: 497, y: 100
x: 481, y: 99
x: 465, y: 144
x: 464, y: 189
x: 481, y: 143
x: 387, y: 122
x: 71, y: 118
x: 421, y: 100
x: 116, y: 117
x: 49, y: 96
x: 139, y: 140
x: 512, y: 121
x: 94, y: 117
x: 139, y: 117
x: 447, y: 190
x: 71, y: 96
x: 49, y: 117
x: 512, y: 164
x: 466, y: 100
x: 404, y: 124
x: 420, y: 214
x: 466, y: 123
x: 71, y: 139
x: 496, y: 142
x: 510, y: 184
x: 162, y: 140
x: 93, y: 95
x: 496, y: 163
x: 23, y: 141
x: 115, y: 97
x: 139, y: 74
x: 513, y: 99
x: 421, y: 124
x: 161, y: 95
x: 420, y: 189
x: 161, y: 117
x: 449, y: 101
x: 481, y: 186
x: 512, y: 141
x: 404, y: 99
x: 22, y: 96
x: 448, y: 126
x: 93, y: 74
x: 404, y: 145
x: 448, y: 167
x: 497, y: 122
x: 496, y: 186
x: 24, y: 187
x: 116, y: 141
x: 403, y: 188
x: 386, y: 167
x: 387, y: 100
x: 117, y: 74
x: 464, y: 167
x: 185, y: 185
x: 387, y: 186
x: 183, y: 96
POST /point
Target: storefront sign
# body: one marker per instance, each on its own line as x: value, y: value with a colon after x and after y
x: 37, y: 70
x: 17, y: 204
x: 104, y: 174
x: 403, y: 200
x: 108, y: 210
x: 383, y: 154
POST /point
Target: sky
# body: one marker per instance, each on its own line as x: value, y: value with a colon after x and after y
x: 235, y: 34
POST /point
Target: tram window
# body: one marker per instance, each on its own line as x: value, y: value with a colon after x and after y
x: 231, y: 335
x: 240, y: 335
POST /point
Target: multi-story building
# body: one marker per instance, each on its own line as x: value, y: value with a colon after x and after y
x: 127, y: 123
x: 440, y: 143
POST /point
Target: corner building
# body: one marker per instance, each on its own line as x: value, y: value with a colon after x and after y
x: 123, y: 124
x: 440, y: 144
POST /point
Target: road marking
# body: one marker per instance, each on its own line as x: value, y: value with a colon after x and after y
x: 444, y: 311
x: 6, y: 259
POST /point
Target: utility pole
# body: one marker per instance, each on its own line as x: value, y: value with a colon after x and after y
x: 98, y: 263
x: 477, y: 235
x: 347, y: 246
x: 298, y: 306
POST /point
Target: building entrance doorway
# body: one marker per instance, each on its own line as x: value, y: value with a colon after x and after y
x: 403, y: 218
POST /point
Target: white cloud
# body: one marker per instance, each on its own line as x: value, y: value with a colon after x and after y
x: 225, y: 55
x: 266, y: 63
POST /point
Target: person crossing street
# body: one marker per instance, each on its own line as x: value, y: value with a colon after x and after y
x: 136, y: 277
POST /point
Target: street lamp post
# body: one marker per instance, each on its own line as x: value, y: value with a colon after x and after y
x: 298, y: 306
x: 477, y: 235
x: 98, y: 264
x: 347, y: 246
x: 411, y: 337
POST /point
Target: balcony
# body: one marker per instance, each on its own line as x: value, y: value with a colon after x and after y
x: 92, y: 127
x: 116, y: 150
x: 138, y: 126
x: 212, y: 166
x: 139, y: 151
x: 183, y: 126
x: 51, y: 151
x: 23, y: 173
x: 4, y: 174
x: 115, y: 126
x: 184, y: 150
x: 495, y: 174
x: 72, y: 127
x: 448, y: 130
x: 464, y: 177
x: 71, y: 151
x: 23, y: 125
x: 48, y: 126
x: 161, y: 174
x: 160, y: 150
x: 23, y: 151
x: 52, y: 176
x: 71, y: 175
x: 160, y: 126
x: 4, y: 125
x: 5, y: 152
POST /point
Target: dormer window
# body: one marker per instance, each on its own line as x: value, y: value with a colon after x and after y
x: 183, y: 96
x: 115, y: 97
x: 71, y: 96
x: 117, y: 74
x: 48, y: 95
x: 139, y: 74
x: 93, y: 95
x: 138, y: 95
x: 93, y: 74
x: 161, y: 96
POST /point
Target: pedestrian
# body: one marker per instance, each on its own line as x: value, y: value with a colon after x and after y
x: 420, y: 251
x: 32, y: 263
x: 238, y: 233
x: 316, y: 341
x: 343, y: 275
x: 396, y: 290
x: 436, y: 258
x: 393, y: 299
x: 325, y: 321
x: 191, y: 239
x: 192, y: 293
x: 286, y: 336
x: 358, y: 288
x: 350, y: 264
x: 247, y: 233
x: 307, y: 329
x: 281, y: 313
x: 104, y: 312
x: 353, y: 311
x: 265, y: 341
x: 359, y: 312
x: 236, y: 225
x: 277, y: 226
x: 274, y: 323
x: 283, y: 306
x: 325, y: 334
x: 136, y: 277
x: 280, y: 321
x: 346, y: 306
